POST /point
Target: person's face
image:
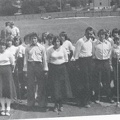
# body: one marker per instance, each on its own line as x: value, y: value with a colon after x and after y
x: 115, y: 35
x: 57, y: 43
x: 34, y: 40
x: 27, y: 41
x: 89, y: 34
x: 102, y: 37
x: 2, y: 48
x: 63, y: 38
x: 17, y: 42
x: 9, y: 43
x: 50, y: 41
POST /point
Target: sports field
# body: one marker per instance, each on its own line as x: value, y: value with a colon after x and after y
x: 74, y: 27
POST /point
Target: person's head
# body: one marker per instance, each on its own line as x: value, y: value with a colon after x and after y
x: 9, y: 41
x: 49, y: 38
x: 11, y: 24
x: 115, y: 32
x: 27, y: 39
x: 2, y: 46
x: 101, y: 34
x: 44, y: 35
x: 108, y: 33
x: 57, y: 42
x: 63, y: 36
x: 34, y: 38
x: 117, y: 40
x: 7, y: 24
x: 89, y: 32
x: 17, y: 41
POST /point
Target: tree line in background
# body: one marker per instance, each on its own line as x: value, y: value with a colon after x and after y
x: 7, y: 7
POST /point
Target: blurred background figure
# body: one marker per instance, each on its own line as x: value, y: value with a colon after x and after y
x: 14, y: 30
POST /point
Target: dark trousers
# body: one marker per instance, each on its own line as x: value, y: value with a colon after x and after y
x: 85, y: 65
x: 21, y: 77
x: 116, y: 75
x: 36, y: 75
x: 102, y: 78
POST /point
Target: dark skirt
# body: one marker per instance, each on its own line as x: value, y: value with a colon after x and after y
x: 7, y: 87
x: 60, y: 84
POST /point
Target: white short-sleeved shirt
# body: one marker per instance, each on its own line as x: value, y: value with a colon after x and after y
x: 68, y: 46
x: 6, y: 58
x: 57, y: 56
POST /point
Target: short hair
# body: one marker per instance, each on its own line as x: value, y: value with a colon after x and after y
x: 49, y: 36
x: 88, y: 29
x: 2, y: 43
x: 115, y: 30
x: 55, y: 38
x: 26, y: 37
x: 101, y: 32
x: 64, y: 34
x: 17, y: 38
x: 33, y: 34
x: 6, y: 23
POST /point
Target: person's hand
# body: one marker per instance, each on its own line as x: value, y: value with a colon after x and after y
x: 111, y: 68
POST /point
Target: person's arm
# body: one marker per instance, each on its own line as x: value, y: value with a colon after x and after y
x: 77, y: 49
x: 44, y: 58
x: 93, y: 50
x: 25, y: 60
x: 71, y: 50
x: 65, y: 55
x: 12, y: 63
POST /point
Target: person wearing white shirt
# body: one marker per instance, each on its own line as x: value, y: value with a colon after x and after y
x: 57, y: 58
x: 83, y: 57
x: 14, y: 30
x: 101, y: 53
x: 115, y: 56
x: 7, y: 87
x: 19, y: 64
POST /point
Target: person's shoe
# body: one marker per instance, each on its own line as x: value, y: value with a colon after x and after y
x: 7, y: 113
x: 2, y: 112
x: 111, y: 101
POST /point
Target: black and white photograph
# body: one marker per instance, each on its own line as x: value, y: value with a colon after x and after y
x: 59, y: 59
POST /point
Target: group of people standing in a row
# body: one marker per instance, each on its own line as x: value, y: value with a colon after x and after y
x: 38, y: 68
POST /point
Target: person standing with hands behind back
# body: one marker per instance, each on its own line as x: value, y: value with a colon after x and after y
x: 35, y: 63
x: 7, y: 87
x: 57, y: 58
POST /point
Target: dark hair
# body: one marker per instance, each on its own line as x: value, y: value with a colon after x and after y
x: 26, y: 36
x: 49, y: 36
x: 55, y: 38
x: 101, y: 32
x: 44, y: 35
x: 64, y: 34
x: 2, y: 43
x: 17, y: 38
x: 6, y: 23
x: 115, y: 30
x: 33, y: 34
x: 88, y: 29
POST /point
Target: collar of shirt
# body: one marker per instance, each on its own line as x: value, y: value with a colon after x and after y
x: 104, y: 41
x: 85, y: 39
x: 37, y: 44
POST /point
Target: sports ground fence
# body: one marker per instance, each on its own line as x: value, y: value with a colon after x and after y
x: 62, y: 15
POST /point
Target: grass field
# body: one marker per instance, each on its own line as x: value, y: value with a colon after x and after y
x: 74, y: 27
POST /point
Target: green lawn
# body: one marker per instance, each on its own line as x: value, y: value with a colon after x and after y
x: 74, y: 27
